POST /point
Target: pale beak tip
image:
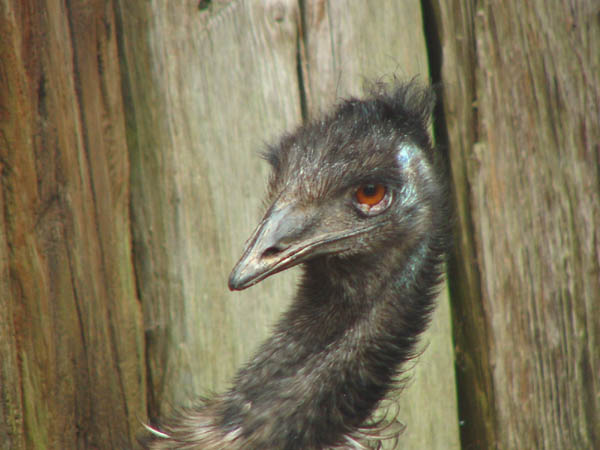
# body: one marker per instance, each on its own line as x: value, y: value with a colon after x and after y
x: 242, y: 276
x: 235, y: 282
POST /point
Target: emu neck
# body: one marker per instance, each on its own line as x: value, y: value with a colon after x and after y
x: 333, y: 356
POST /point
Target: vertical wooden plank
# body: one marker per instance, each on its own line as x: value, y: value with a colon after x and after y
x: 68, y: 292
x: 208, y: 89
x: 347, y: 43
x: 454, y: 27
x: 12, y: 109
x: 534, y: 190
x: 540, y: 256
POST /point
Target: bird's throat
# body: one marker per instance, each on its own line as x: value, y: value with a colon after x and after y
x: 334, y: 355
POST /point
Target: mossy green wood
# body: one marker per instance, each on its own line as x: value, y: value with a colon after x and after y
x: 71, y: 343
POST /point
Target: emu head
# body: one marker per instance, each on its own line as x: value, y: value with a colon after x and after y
x: 354, y: 184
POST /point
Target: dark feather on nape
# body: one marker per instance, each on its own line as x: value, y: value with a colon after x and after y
x: 407, y: 106
x: 271, y: 155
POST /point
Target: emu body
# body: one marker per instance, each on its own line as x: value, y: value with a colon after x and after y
x: 359, y: 199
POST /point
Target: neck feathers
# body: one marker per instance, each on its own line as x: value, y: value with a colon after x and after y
x: 315, y: 383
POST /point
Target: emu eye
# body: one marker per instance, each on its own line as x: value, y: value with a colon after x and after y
x: 370, y: 195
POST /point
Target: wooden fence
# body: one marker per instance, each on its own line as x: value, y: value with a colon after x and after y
x: 129, y: 180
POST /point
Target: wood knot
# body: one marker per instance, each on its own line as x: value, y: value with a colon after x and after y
x: 277, y: 11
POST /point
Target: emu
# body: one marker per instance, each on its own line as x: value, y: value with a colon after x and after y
x: 359, y: 198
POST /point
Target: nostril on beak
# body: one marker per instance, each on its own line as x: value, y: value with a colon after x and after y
x: 274, y: 250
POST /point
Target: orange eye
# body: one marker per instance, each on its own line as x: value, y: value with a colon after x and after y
x: 370, y: 194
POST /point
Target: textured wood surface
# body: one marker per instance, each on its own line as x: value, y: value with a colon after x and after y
x: 522, y: 104
x: 214, y: 89
x: 71, y: 342
x: 454, y: 32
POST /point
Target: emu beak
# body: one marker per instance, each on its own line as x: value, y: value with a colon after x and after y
x: 285, y: 237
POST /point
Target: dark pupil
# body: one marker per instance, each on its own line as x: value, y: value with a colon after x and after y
x: 369, y: 190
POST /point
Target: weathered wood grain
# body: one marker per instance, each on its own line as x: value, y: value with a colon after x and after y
x: 348, y: 44
x: 206, y: 93
x: 454, y: 30
x: 72, y: 345
x: 523, y: 112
